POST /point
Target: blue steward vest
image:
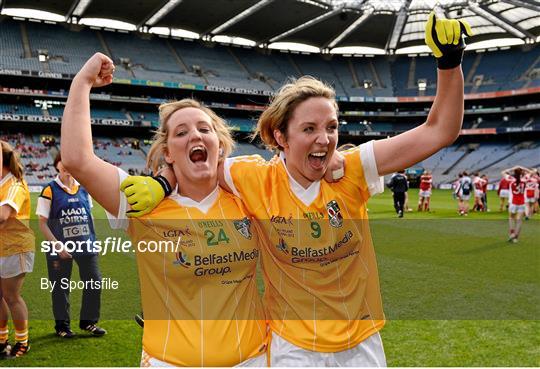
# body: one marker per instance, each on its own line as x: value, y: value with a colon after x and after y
x: 70, y: 218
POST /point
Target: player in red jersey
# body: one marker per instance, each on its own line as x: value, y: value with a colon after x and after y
x: 531, y: 194
x: 504, y: 190
x: 536, y: 175
x: 517, y: 201
x: 424, y: 195
x: 478, y: 184
x: 484, y: 192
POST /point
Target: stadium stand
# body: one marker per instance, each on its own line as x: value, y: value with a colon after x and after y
x: 266, y: 66
x: 149, y: 57
x: 316, y: 66
x: 218, y: 65
x: 95, y: 113
x: 34, y: 156
x: 120, y: 153
x: 20, y: 109
x: 243, y: 148
x: 37, y: 155
x: 66, y: 49
x: 487, y: 158
x: 10, y: 42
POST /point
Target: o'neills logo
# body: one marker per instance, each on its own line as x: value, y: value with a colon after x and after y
x: 213, y: 264
x: 311, y: 255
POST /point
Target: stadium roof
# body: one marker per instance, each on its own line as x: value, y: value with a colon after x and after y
x: 387, y: 25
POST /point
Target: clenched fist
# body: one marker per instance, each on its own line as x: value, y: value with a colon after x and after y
x: 97, y: 71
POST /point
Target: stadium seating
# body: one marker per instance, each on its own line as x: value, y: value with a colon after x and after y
x: 149, y: 57
x: 95, y: 113
x: 67, y: 50
x: 314, y: 65
x: 487, y: 158
x: 20, y: 109
x: 243, y: 148
x: 242, y: 124
x: 266, y: 65
x: 35, y: 158
x: 10, y: 42
x: 399, y: 73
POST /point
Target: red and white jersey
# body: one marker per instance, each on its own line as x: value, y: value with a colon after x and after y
x: 504, y: 184
x: 517, y: 193
x: 485, y: 185
x: 531, y: 187
x: 478, y: 183
x: 426, y: 182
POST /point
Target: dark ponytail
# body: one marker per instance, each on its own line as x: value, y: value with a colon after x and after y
x: 517, y: 175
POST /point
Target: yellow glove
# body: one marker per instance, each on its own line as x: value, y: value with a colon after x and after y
x: 445, y: 38
x: 143, y: 194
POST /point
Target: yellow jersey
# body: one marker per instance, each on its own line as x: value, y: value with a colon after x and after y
x: 320, y: 272
x: 16, y: 236
x: 199, y: 295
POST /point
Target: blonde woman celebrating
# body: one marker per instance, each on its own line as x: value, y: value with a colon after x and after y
x: 200, y: 301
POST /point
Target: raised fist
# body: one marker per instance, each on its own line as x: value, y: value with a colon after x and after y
x: 97, y: 71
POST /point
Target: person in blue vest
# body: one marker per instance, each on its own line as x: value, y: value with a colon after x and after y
x: 65, y: 214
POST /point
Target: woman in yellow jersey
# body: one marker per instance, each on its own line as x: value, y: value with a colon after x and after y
x: 16, y: 251
x: 321, y: 282
x: 200, y: 301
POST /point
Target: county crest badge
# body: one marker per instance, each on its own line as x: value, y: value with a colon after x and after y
x: 242, y: 226
x: 334, y: 214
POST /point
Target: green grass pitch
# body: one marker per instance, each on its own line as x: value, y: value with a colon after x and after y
x: 455, y: 293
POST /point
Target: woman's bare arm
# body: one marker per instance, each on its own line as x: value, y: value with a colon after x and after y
x: 441, y: 128
x: 98, y: 177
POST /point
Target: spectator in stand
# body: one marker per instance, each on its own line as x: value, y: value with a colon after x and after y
x: 399, y: 186
x: 504, y: 191
x: 424, y: 196
x: 464, y: 193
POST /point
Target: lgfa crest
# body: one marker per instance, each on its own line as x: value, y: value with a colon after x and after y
x: 242, y: 226
x: 334, y: 214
